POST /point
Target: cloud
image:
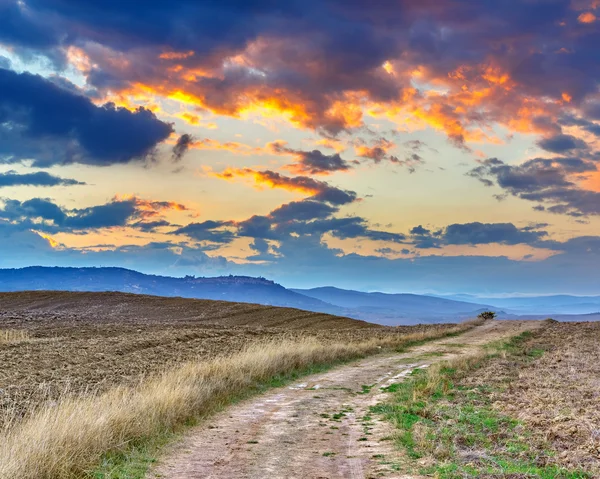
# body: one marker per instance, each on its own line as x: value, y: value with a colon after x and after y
x: 181, y: 147
x: 321, y: 66
x: 544, y: 180
x: 344, y: 228
x: 319, y: 190
x: 50, y: 125
x: 302, y: 210
x: 561, y: 143
x: 207, y: 231
x: 45, y: 215
x: 477, y: 233
x: 419, y: 230
x: 380, y: 148
x: 150, y: 226
x: 487, y: 233
x: 377, y: 152
x: 232, y: 146
x: 40, y: 178
x: 5, y: 62
x: 310, y: 162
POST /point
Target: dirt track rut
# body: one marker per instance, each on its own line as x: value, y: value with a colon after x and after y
x: 319, y: 428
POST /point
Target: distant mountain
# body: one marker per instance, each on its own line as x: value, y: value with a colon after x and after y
x: 379, y: 308
x: 242, y: 289
x: 374, y: 307
x: 553, y: 304
x: 396, y: 308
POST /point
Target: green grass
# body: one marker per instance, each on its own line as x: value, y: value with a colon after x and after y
x: 456, y: 426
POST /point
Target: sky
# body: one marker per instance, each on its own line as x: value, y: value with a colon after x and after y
x: 390, y: 145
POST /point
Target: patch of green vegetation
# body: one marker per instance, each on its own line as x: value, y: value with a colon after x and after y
x: 328, y: 454
x: 252, y: 442
x: 366, y: 389
x: 440, y: 417
x: 133, y: 463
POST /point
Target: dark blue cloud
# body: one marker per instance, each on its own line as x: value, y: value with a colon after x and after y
x: 45, y: 215
x: 419, y: 230
x: 544, y: 180
x: 40, y: 178
x: 311, y: 162
x: 181, y: 147
x: 23, y: 27
x: 207, y: 231
x: 150, y: 226
x: 561, y: 143
x: 487, y: 233
x: 477, y: 233
x: 258, y: 227
x: 302, y: 211
x: 51, y: 125
x: 343, y: 228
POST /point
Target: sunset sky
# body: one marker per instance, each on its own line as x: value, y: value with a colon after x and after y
x: 392, y: 145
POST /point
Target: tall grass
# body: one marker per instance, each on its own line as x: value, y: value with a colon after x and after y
x: 66, y: 440
x: 9, y: 336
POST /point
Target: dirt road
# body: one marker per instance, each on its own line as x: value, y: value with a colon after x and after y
x: 319, y: 428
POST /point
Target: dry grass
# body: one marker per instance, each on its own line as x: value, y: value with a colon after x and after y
x: 556, y: 396
x: 66, y: 440
x: 12, y: 336
x: 83, y: 342
x: 452, y: 417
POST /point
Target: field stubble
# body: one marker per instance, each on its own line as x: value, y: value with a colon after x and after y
x: 90, y: 369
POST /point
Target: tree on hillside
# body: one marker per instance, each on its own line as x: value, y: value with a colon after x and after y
x: 487, y: 315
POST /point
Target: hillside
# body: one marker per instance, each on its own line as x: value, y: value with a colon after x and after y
x: 227, y: 288
x: 59, y: 307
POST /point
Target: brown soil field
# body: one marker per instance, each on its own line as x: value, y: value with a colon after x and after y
x: 557, y: 396
x: 63, y: 342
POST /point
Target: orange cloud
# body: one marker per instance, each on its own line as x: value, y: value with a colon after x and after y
x: 318, y: 190
x: 377, y: 152
x: 336, y: 145
x: 232, y: 146
x: 151, y: 208
x: 591, y: 182
x: 272, y: 179
x: 190, y: 118
x: 176, y: 55
x: 196, y: 121
x: 586, y: 17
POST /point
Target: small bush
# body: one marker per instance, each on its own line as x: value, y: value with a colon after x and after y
x: 486, y: 315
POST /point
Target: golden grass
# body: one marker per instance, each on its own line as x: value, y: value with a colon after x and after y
x: 66, y: 440
x: 10, y: 336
